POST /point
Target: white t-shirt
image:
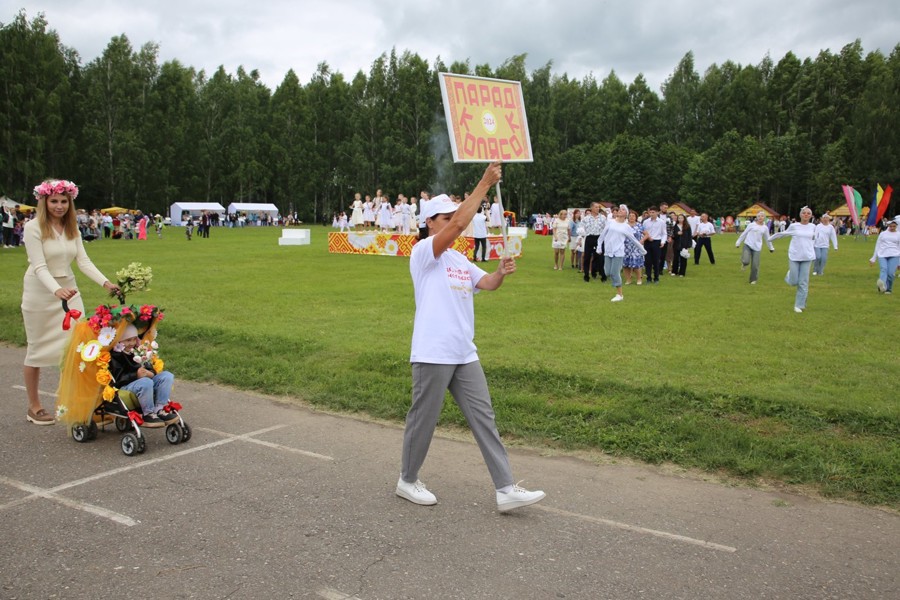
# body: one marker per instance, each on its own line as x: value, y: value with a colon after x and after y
x: 693, y: 221
x: 444, y: 287
x: 479, y: 225
x: 802, y: 239
x: 706, y: 229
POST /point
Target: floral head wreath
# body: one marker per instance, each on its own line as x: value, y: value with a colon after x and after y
x: 56, y: 186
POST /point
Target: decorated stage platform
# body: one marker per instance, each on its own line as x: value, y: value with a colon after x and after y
x: 396, y: 244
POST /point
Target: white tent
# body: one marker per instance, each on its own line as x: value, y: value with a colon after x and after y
x: 177, y: 210
x: 250, y: 207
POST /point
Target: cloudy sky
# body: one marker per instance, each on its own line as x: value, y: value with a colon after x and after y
x: 579, y: 37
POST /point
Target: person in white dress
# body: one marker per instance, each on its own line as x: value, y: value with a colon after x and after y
x: 386, y: 215
x: 52, y: 243
x: 368, y: 213
x: 356, y: 217
x: 496, y: 216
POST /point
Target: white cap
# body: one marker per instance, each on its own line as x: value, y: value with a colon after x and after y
x: 129, y: 332
x: 439, y: 205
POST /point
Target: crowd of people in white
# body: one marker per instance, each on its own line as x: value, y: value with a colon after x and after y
x: 618, y: 244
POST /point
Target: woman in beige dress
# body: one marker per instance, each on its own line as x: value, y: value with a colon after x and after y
x: 52, y: 242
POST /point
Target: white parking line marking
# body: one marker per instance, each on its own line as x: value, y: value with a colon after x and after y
x: 270, y: 444
x: 76, y: 504
x: 636, y: 529
x: 153, y: 461
x: 332, y: 594
x: 52, y: 492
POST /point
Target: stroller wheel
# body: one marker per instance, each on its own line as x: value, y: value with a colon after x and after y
x: 142, y: 445
x: 122, y: 424
x: 174, y: 433
x: 92, y: 431
x: 129, y: 444
x: 80, y: 433
x: 185, y: 433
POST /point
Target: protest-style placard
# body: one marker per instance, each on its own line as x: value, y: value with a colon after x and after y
x: 485, y: 119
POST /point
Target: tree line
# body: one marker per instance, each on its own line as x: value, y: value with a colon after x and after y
x: 136, y: 133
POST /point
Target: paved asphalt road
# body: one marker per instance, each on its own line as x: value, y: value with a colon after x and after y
x: 274, y: 500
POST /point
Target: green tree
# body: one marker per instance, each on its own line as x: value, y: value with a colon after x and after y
x: 35, y: 99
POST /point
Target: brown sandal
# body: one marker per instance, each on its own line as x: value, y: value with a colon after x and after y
x: 41, y: 417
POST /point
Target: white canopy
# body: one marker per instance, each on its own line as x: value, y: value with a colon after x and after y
x: 193, y: 208
x: 250, y: 207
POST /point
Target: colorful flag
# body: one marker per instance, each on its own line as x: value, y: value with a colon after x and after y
x: 883, y: 203
x: 873, y: 210
x: 857, y: 201
x: 851, y: 204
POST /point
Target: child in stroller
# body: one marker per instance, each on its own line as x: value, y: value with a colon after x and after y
x: 100, y: 378
x: 132, y: 369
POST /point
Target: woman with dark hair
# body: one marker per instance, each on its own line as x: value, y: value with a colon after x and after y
x: 52, y: 242
x: 681, y: 243
x: 443, y: 353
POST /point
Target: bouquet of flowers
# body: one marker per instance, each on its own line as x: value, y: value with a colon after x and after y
x: 134, y: 278
x: 145, y: 353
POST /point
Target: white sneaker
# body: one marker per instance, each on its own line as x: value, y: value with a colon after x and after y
x: 880, y: 285
x: 743, y: 267
x: 416, y: 492
x: 517, y: 498
x: 752, y: 283
x: 617, y: 298
x: 797, y: 309
x: 814, y: 273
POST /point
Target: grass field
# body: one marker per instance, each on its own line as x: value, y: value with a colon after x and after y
x: 705, y: 372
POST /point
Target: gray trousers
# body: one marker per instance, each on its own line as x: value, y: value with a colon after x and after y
x: 751, y: 257
x: 468, y: 387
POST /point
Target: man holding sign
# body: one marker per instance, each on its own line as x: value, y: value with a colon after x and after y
x: 443, y: 354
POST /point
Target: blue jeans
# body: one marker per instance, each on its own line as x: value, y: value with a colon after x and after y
x: 798, y: 275
x: 821, y: 259
x: 613, y: 267
x: 152, y: 392
x: 888, y: 266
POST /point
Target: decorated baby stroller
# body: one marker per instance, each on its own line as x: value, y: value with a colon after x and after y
x: 88, y: 399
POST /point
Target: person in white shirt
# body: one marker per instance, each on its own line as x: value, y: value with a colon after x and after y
x: 480, y: 233
x: 825, y: 234
x: 593, y: 223
x: 887, y: 253
x: 404, y: 217
x: 443, y: 353
x: 753, y: 238
x: 801, y: 254
x: 655, y: 235
x: 616, y: 235
x: 702, y: 234
x: 694, y: 220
